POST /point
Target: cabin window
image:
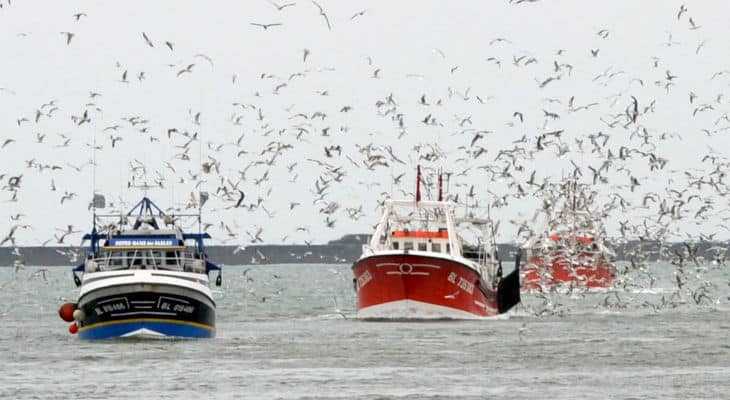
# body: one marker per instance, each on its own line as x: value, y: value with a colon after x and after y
x: 407, y: 245
x: 116, y: 260
x: 133, y: 258
x: 422, y: 246
x: 396, y: 245
x: 436, y: 247
x: 154, y: 258
x: 448, y: 248
x: 171, y: 258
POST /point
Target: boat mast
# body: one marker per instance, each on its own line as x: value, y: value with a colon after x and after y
x: 418, y: 183
x: 93, y: 186
x: 494, y: 259
x: 200, y: 203
x: 94, y: 243
x: 574, y: 191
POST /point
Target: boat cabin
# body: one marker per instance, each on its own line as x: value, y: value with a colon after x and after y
x: 433, y: 241
x: 579, y: 242
x: 138, y: 249
x: 585, y: 239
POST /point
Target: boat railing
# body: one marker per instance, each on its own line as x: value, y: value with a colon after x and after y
x: 186, y: 262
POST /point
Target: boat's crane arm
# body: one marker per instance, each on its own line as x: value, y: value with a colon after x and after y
x: 380, y: 229
x: 451, y: 226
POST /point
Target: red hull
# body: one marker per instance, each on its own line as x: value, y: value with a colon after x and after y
x: 404, y: 286
x: 559, y: 270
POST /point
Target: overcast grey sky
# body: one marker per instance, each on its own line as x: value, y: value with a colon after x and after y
x: 476, y: 62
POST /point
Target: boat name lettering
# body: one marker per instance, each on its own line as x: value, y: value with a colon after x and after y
x: 452, y: 277
x: 110, y: 307
x: 188, y: 309
x: 142, y: 242
x: 183, y: 308
x: 363, y: 279
x: 466, y: 285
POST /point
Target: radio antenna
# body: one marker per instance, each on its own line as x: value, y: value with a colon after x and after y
x: 93, y: 183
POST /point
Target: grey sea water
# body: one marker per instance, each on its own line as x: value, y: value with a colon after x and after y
x: 288, y: 332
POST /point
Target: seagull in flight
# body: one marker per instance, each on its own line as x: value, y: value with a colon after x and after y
x: 69, y: 36
x: 337, y: 308
x: 147, y: 39
x: 682, y: 10
x: 205, y: 57
x: 265, y: 26
x: 240, y: 199
x: 280, y: 7
x: 358, y: 14
x: 322, y: 13
x: 189, y: 68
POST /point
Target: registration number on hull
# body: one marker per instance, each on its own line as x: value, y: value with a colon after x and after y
x: 363, y: 279
x: 463, y: 283
x: 111, y: 305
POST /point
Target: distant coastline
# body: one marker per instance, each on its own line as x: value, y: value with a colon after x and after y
x: 341, y: 251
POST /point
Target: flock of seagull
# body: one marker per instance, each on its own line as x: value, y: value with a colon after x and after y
x: 305, y: 165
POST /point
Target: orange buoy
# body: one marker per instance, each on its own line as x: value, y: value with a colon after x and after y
x: 73, y: 328
x: 66, y: 312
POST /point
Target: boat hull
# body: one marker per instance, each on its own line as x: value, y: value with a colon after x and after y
x: 149, y: 328
x: 418, y: 286
x: 135, y: 308
x: 559, y: 270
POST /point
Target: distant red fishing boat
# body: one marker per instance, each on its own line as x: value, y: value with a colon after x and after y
x: 569, y: 249
x: 418, y: 266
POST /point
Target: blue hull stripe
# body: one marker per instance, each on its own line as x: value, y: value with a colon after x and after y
x: 170, y: 329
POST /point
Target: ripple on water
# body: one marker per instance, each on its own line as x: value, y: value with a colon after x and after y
x: 295, y: 345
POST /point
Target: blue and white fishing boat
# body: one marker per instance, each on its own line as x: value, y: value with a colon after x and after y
x: 143, y: 279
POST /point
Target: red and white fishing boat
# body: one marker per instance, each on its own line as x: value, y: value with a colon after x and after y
x: 417, y: 265
x: 568, y: 249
